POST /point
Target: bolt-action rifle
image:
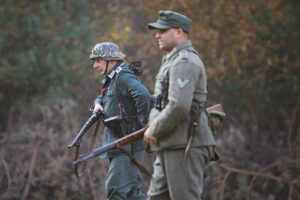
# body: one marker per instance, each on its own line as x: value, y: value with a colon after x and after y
x: 133, y: 137
x: 118, y: 144
x: 96, y: 116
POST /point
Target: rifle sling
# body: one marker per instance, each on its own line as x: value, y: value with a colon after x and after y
x: 136, y: 163
x: 76, y: 155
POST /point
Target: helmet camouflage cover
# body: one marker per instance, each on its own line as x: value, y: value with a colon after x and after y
x: 107, y: 51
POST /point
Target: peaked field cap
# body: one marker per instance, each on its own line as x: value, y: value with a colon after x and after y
x: 170, y: 19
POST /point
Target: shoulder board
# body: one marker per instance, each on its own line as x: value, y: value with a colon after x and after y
x: 184, y: 54
x: 119, y: 69
x: 192, y: 51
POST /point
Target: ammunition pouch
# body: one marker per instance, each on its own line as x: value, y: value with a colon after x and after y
x: 121, y: 126
x: 116, y: 125
x: 215, y: 119
x: 113, y: 121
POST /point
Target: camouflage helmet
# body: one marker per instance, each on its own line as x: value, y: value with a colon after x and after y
x: 107, y: 51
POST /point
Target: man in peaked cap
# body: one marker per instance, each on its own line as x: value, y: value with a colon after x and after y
x: 171, y: 19
x: 178, y: 126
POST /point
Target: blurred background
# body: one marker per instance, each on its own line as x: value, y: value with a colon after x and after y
x: 251, y: 50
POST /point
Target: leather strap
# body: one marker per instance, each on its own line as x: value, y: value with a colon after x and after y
x: 196, y: 110
x: 136, y: 163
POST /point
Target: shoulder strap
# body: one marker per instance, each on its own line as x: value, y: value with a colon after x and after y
x: 122, y: 109
x: 192, y: 50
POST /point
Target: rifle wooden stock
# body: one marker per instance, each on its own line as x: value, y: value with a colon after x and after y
x: 135, y: 136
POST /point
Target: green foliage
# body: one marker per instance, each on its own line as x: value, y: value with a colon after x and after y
x: 43, y: 48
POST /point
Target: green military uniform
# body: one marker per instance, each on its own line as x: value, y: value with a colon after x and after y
x: 185, y: 75
x: 121, y: 86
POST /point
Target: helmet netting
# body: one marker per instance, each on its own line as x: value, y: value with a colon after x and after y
x: 107, y: 49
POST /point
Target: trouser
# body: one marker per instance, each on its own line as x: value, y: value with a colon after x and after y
x: 174, y: 179
x: 123, y: 180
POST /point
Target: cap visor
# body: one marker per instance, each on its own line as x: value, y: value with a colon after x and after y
x: 156, y: 25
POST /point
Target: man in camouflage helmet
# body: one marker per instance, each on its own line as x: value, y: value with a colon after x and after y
x: 125, y: 103
x: 178, y: 128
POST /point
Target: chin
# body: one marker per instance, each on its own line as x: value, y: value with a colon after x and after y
x: 162, y: 47
x: 165, y: 49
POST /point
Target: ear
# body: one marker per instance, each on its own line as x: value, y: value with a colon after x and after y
x: 179, y: 33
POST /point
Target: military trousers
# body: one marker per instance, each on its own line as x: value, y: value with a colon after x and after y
x: 123, y: 180
x: 174, y: 179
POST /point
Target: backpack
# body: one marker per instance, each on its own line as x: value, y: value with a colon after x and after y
x: 137, y: 67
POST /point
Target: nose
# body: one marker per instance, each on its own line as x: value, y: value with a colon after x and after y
x: 95, y: 65
x: 157, y: 35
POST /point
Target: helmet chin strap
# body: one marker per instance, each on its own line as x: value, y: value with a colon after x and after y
x: 107, y: 62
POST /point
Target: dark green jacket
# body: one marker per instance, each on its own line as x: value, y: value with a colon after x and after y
x: 123, y: 85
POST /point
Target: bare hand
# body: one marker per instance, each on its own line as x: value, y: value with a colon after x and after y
x: 148, y: 137
x: 98, y: 107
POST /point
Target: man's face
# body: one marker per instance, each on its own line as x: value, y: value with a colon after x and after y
x: 100, y: 65
x: 166, y: 39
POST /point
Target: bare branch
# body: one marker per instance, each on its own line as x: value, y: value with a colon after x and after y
x: 245, y: 172
x: 31, y: 168
x: 222, y: 190
x: 6, y: 167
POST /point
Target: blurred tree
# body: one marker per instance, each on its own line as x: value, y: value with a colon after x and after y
x: 43, y: 47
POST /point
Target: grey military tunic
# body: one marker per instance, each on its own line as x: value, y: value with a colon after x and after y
x: 187, y: 83
x: 173, y: 178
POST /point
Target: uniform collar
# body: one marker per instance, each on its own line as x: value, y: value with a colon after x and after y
x: 114, y: 70
x: 175, y: 50
x: 109, y: 75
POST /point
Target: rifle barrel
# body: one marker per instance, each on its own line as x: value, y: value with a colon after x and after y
x: 96, y: 152
x: 118, y: 143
